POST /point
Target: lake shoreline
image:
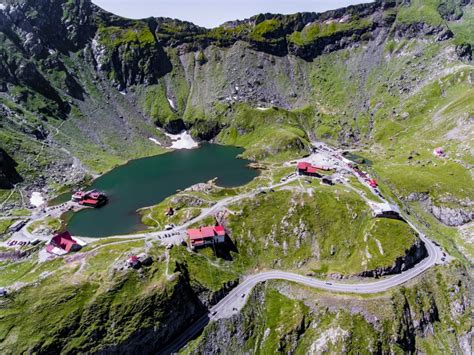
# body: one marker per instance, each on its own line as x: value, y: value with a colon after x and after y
x: 154, y: 178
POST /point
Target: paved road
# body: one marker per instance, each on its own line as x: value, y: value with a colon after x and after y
x: 176, y: 235
x: 235, y: 300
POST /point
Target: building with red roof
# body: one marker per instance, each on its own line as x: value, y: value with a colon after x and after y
x: 206, y: 236
x: 303, y: 165
x: 372, y: 183
x: 91, y: 198
x: 133, y: 261
x: 220, y: 231
x: 195, y: 238
x: 62, y: 244
x: 89, y: 202
x: 305, y: 168
x: 207, y: 232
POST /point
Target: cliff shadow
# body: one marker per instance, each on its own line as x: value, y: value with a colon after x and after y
x: 224, y: 250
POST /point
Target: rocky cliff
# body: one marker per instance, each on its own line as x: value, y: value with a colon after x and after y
x: 178, y: 75
x: 8, y: 174
x: 283, y: 318
x: 416, y: 253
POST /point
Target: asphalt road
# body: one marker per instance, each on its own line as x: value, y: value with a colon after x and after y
x: 235, y: 300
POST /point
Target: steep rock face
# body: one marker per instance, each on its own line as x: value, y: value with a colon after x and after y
x: 143, y: 323
x: 280, y: 317
x: 8, y: 174
x: 40, y: 25
x: 413, y: 256
x: 234, y: 333
x: 413, y: 30
x: 453, y: 216
x: 410, y: 324
x: 154, y: 313
x: 130, y: 55
x: 464, y: 51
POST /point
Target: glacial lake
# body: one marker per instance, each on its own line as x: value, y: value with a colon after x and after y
x: 146, y: 182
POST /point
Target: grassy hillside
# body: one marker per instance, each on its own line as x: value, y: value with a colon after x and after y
x: 282, y: 318
x: 82, y: 91
x: 92, y: 301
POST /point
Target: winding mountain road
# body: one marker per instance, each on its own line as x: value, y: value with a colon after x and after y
x: 235, y: 300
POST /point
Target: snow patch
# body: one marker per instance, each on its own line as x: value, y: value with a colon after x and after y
x: 182, y: 141
x: 37, y: 199
x: 2, y: 7
x: 124, y: 93
x: 154, y: 140
x: 171, y: 103
x: 263, y: 108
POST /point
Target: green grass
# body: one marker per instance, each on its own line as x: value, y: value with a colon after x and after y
x: 315, y: 31
x: 156, y: 105
x: 263, y: 138
x: 294, y: 231
x: 20, y: 212
x: 439, y: 108
x: 116, y: 36
x: 5, y: 224
x: 266, y: 30
x: 464, y: 29
x: 14, y: 272
x: 421, y: 11
x: 205, y: 270
x: 282, y: 316
x: 49, y: 223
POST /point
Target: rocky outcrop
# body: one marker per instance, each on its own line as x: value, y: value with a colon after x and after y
x: 41, y: 25
x: 161, y: 321
x: 403, y: 320
x: 174, y: 126
x: 130, y: 55
x: 413, y: 30
x: 413, y: 256
x: 444, y: 211
x: 453, y: 216
x: 233, y: 333
x: 8, y: 174
x: 206, y: 130
x: 411, y: 325
x: 464, y: 51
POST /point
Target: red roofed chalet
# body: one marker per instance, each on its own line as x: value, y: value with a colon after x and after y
x: 220, y: 231
x: 305, y: 168
x: 206, y: 236
x: 195, y: 237
x: 302, y: 166
x: 207, y: 232
x: 62, y: 244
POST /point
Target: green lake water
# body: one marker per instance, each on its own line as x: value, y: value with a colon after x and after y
x: 146, y: 182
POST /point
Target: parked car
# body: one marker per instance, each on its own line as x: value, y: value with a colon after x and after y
x: 169, y: 227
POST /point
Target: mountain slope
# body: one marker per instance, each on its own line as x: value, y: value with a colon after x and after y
x: 335, y: 76
x: 389, y: 81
